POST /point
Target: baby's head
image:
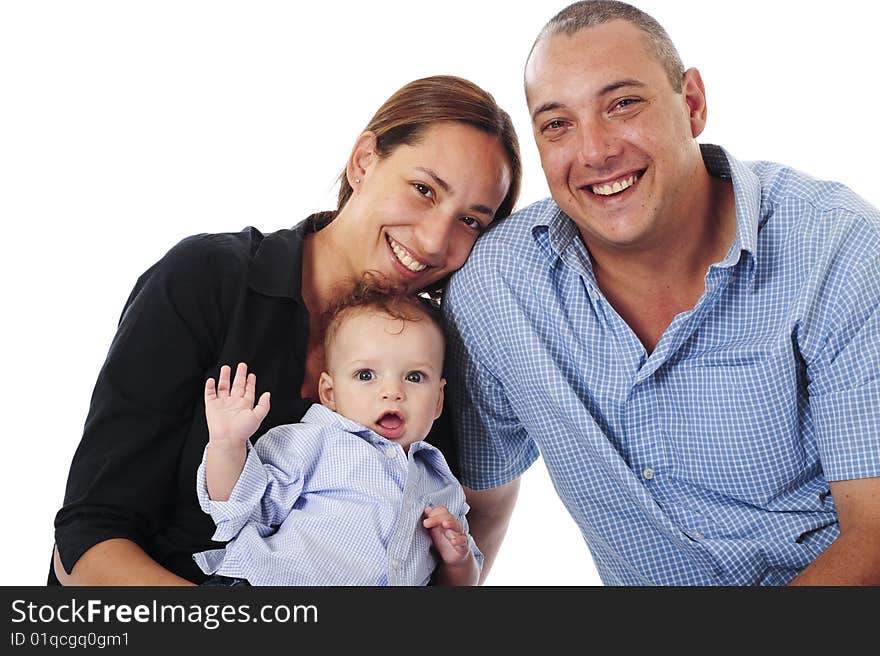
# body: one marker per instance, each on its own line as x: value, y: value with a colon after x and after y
x: 383, y: 351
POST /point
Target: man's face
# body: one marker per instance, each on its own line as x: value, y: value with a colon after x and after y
x: 617, y: 142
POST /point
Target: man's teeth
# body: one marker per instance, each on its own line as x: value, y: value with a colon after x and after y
x: 405, y: 258
x: 615, y: 188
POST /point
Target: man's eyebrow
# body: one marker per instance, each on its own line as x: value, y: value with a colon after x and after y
x: 546, y: 107
x: 620, y: 84
x: 445, y: 186
x: 608, y: 88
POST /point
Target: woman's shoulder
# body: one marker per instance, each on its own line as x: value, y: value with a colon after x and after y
x: 215, y: 250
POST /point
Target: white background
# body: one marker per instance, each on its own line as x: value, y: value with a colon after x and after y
x: 126, y: 126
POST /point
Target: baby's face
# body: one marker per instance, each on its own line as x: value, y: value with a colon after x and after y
x: 386, y: 374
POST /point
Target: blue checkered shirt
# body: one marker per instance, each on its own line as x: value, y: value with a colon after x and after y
x: 329, y: 502
x: 707, y: 461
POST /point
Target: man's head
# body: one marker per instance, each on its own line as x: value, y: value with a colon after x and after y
x: 616, y: 120
x: 581, y: 15
x: 384, y: 362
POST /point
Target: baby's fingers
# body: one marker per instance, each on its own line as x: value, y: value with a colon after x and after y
x: 262, y: 407
x: 223, y: 383
x: 210, y: 390
x: 240, y: 380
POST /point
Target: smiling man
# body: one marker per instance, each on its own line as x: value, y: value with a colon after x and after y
x: 689, y: 341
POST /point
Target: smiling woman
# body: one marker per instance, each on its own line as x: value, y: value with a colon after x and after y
x: 437, y: 164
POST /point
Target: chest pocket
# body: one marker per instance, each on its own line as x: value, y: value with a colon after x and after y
x: 733, y: 423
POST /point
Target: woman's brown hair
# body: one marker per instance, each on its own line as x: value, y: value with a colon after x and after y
x: 405, y: 116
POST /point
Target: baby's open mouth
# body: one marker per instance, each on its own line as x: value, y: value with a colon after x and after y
x: 390, y: 421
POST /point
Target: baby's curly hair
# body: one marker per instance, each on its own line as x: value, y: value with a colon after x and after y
x: 372, y: 292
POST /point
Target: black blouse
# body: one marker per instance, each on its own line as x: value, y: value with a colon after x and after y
x: 213, y: 299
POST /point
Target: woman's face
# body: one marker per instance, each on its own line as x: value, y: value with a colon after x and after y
x: 414, y: 215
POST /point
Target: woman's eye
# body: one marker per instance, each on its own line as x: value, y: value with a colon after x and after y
x: 473, y: 223
x: 424, y: 190
x: 364, y: 375
x: 415, y: 377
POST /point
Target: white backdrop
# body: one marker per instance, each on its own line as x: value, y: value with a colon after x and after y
x: 125, y: 126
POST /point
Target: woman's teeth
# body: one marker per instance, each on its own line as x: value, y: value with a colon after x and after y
x: 404, y: 257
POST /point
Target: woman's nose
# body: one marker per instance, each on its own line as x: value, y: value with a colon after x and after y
x: 434, y: 235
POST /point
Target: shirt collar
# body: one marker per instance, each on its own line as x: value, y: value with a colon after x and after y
x: 553, y: 229
x: 276, y: 267
x: 747, y: 197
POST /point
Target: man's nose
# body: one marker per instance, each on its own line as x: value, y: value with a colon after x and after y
x: 596, y: 144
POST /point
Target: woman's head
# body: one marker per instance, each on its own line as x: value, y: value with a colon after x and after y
x: 405, y: 116
x: 436, y: 165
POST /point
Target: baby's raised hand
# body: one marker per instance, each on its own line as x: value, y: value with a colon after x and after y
x: 447, y: 534
x: 230, y: 410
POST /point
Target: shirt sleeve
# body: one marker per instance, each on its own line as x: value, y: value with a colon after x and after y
x: 494, y: 448
x: 270, y: 483
x: 844, y: 377
x: 124, y: 473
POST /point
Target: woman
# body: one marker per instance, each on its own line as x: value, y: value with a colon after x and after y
x: 435, y: 166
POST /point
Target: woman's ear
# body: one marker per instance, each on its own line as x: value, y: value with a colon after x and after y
x: 325, y: 391
x: 362, y: 156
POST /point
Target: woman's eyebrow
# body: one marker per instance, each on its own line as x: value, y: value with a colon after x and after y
x: 440, y: 181
x: 445, y: 186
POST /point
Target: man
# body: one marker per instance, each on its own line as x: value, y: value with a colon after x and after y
x: 690, y: 342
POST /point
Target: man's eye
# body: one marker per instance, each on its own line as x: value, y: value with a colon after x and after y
x: 625, y: 103
x: 553, y: 126
x: 365, y: 375
x: 424, y: 190
x: 415, y: 377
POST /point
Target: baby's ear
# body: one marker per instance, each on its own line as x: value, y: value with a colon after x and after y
x: 325, y: 391
x: 440, y: 399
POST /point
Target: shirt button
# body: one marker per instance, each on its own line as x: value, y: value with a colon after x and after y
x: 596, y: 295
x: 647, y: 473
x: 390, y: 453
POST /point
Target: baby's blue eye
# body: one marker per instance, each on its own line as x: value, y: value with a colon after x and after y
x: 415, y: 377
x: 364, y: 375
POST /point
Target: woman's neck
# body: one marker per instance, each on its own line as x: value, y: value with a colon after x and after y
x: 323, y: 268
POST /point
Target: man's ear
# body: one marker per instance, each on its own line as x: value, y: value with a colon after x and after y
x: 440, y: 399
x: 362, y: 156
x: 695, y: 96
x: 325, y: 391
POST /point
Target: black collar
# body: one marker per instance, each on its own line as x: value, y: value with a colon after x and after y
x: 276, y: 267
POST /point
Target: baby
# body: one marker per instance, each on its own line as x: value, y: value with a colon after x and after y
x: 351, y: 495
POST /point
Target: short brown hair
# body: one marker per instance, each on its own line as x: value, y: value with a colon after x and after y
x: 590, y: 13
x: 373, y: 292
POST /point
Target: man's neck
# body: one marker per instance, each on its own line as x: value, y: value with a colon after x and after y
x: 649, y: 286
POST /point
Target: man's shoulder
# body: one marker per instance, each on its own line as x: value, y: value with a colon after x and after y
x: 511, y: 239
x: 782, y: 184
